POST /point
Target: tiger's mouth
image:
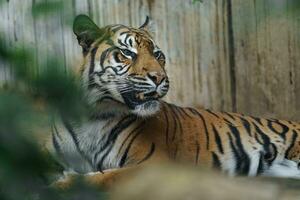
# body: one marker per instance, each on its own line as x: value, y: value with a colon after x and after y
x: 134, y: 98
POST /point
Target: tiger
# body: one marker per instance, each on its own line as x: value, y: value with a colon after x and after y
x: 124, y: 79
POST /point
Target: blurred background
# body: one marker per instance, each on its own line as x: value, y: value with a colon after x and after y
x: 231, y: 55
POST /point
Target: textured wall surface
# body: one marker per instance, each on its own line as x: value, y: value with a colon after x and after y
x: 233, y: 55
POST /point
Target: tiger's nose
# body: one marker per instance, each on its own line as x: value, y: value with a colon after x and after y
x: 156, y: 77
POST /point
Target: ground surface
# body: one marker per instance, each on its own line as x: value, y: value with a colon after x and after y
x: 175, y: 182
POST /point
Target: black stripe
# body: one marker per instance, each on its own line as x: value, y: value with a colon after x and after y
x: 75, y: 140
x: 214, y: 114
x: 104, y: 55
x: 124, y: 32
x: 119, y: 28
x: 264, y: 137
x: 258, y: 120
x: 125, y: 155
x: 246, y: 125
x: 282, y: 133
x: 128, y: 67
x: 261, y: 166
x: 271, y: 154
x: 197, y: 151
x: 178, y: 111
x: 116, y: 57
x: 235, y: 154
x: 55, y: 144
x: 123, y: 124
x: 227, y: 121
x: 167, y: 126
x: 231, y: 116
x: 185, y: 113
x: 56, y: 132
x: 258, y: 139
x: 181, y: 111
x: 195, y: 112
x: 121, y: 43
x: 99, y: 165
x: 218, y: 140
x: 175, y: 112
x: 91, y: 69
x: 129, y: 135
x: 149, y: 154
x: 175, y: 122
x: 130, y: 42
x: 92, y: 61
x: 294, y: 137
x: 216, y: 160
x: 126, y: 38
x: 244, y: 158
x: 112, y: 137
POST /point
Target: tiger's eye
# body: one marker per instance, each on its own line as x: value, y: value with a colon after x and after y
x: 159, y: 55
x: 128, y: 53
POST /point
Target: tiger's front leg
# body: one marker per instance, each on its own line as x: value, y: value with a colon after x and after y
x: 99, y: 180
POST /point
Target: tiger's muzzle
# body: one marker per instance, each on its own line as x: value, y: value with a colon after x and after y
x: 152, y: 89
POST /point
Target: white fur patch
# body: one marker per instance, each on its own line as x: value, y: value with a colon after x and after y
x: 254, y: 160
x: 96, y: 173
x: 145, y: 110
x: 286, y: 168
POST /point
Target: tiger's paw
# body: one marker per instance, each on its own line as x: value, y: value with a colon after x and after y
x: 286, y: 169
x: 95, y: 179
x: 103, y: 179
x: 66, y: 182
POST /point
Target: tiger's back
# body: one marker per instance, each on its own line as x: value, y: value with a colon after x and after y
x: 235, y: 143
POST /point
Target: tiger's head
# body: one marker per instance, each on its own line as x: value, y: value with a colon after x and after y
x: 123, y: 68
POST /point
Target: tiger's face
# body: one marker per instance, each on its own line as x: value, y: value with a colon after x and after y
x: 123, y: 70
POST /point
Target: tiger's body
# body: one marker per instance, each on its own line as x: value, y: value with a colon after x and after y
x: 234, y: 143
x: 124, y: 80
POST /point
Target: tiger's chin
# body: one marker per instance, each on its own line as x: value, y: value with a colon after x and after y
x: 115, y: 108
x: 147, y: 108
x: 142, y: 105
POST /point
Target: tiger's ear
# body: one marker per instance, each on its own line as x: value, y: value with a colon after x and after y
x: 86, y: 31
x: 149, y: 26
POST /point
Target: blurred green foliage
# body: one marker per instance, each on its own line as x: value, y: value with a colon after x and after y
x: 194, y: 1
x: 25, y: 171
x: 45, y: 8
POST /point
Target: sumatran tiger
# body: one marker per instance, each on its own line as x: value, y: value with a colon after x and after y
x: 124, y: 79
